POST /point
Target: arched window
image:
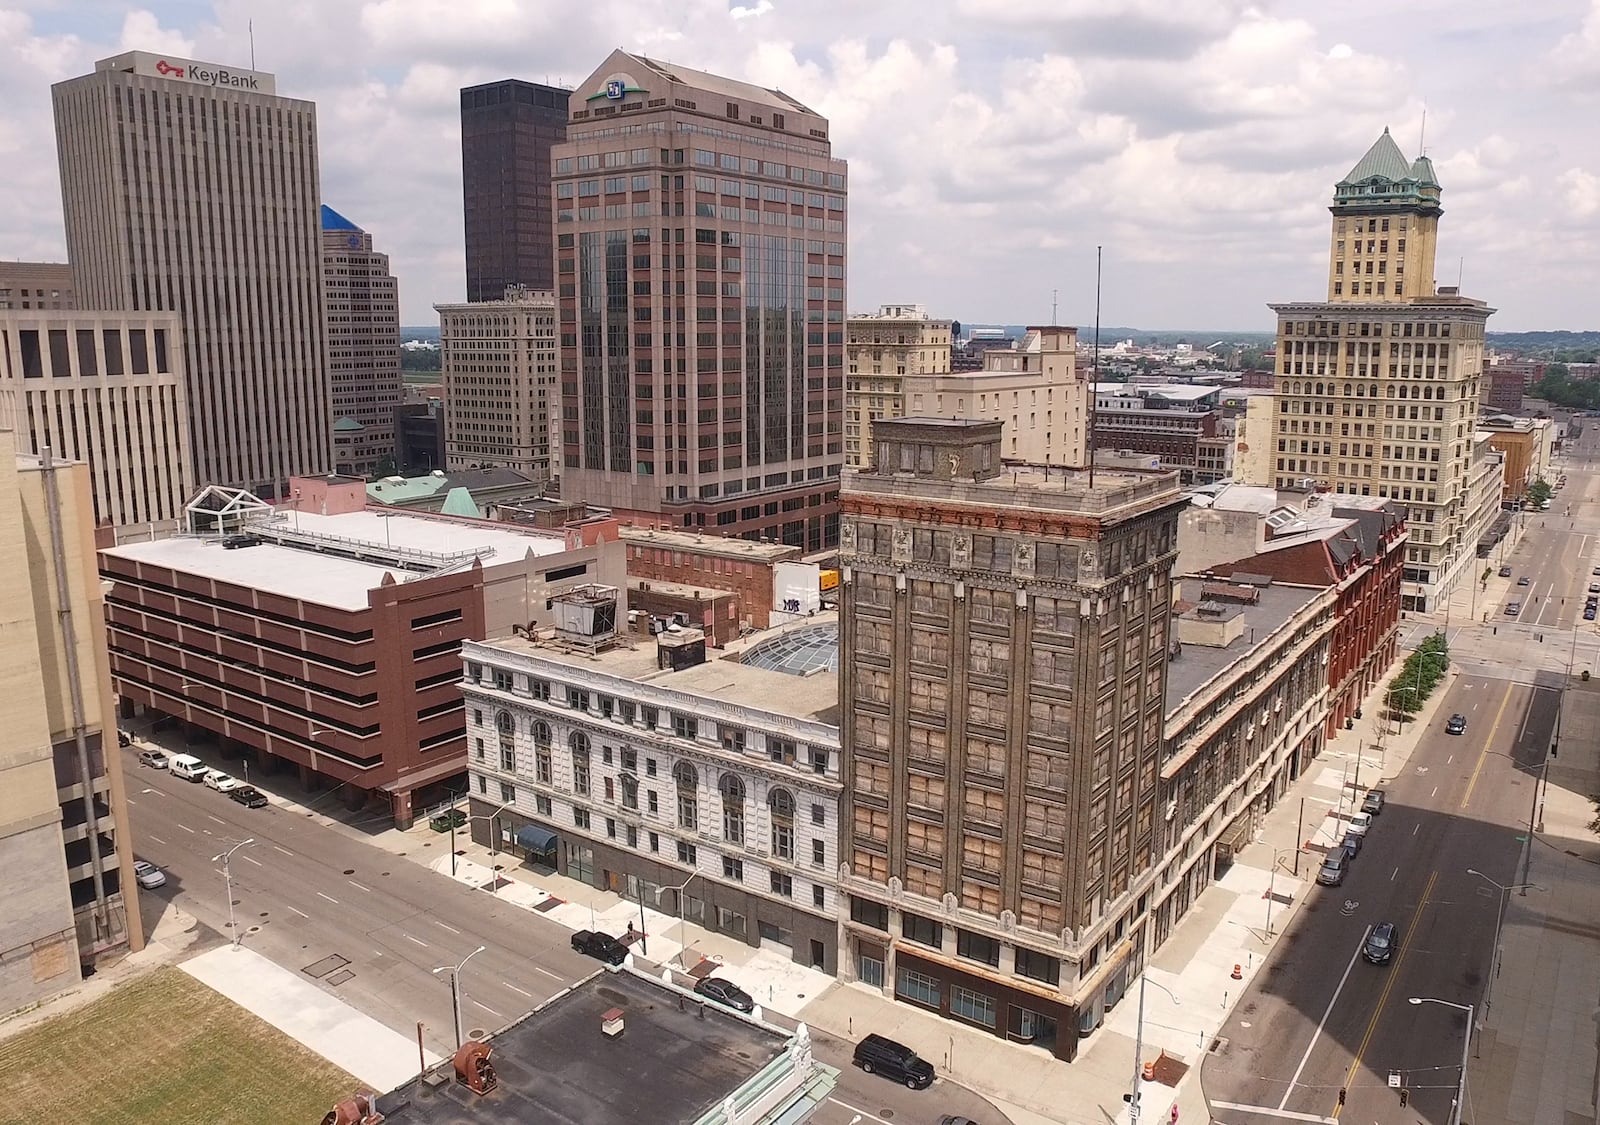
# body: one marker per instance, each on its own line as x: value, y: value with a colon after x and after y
x: 541, y: 734
x: 781, y: 803
x: 732, y: 790
x: 688, y: 782
x: 578, y: 742
x: 505, y: 725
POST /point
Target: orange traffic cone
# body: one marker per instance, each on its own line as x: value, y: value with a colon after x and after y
x: 1238, y: 973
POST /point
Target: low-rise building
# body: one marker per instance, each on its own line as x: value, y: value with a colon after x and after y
x: 1176, y: 422
x: 668, y: 1057
x: 419, y: 436
x: 1354, y: 545
x: 1033, y: 388
x: 1528, y: 445
x: 37, y: 285
x: 647, y: 766
x: 326, y: 639
x: 472, y: 492
x: 765, y: 577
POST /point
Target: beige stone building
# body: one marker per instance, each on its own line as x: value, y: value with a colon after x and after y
x: 880, y: 350
x: 499, y: 361
x: 66, y: 861
x: 1034, y: 389
x: 1528, y: 445
x: 362, y: 302
x: 106, y: 388
x: 1377, y: 388
x: 1252, y: 441
x: 36, y: 285
x: 193, y: 188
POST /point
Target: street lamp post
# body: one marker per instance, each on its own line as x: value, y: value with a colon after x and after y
x: 1138, y: 1044
x: 226, y: 859
x: 1461, y: 1088
x: 479, y: 816
x: 1271, y: 877
x: 678, y: 894
x: 455, y: 987
x: 1494, y: 959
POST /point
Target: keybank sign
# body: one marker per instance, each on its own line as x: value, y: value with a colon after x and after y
x: 209, y: 76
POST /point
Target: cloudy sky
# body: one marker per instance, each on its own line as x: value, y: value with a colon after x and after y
x: 992, y: 143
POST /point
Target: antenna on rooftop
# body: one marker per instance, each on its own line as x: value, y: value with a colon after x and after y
x: 1053, y: 294
x: 1422, y: 137
x: 1461, y: 268
x: 1095, y: 375
x: 250, y: 26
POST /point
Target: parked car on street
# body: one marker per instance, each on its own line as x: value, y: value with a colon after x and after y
x: 1589, y: 612
x: 1373, y: 802
x: 1359, y: 823
x: 222, y: 782
x: 1333, y: 867
x: 155, y: 759
x: 601, y: 946
x: 1457, y: 724
x: 725, y: 992
x: 1380, y: 943
x: 1513, y: 608
x: 1523, y: 581
x: 1505, y: 572
x: 878, y: 1055
x: 1352, y: 843
x: 149, y: 875
x: 248, y: 796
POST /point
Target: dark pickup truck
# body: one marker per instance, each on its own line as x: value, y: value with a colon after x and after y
x: 602, y: 946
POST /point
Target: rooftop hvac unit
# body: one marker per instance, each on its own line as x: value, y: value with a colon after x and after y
x: 586, y: 615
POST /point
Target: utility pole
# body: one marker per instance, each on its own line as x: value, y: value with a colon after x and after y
x: 226, y: 859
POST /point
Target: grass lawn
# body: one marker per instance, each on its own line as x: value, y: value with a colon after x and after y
x: 164, y: 1050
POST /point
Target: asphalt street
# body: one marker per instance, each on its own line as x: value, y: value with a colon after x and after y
x: 373, y: 925
x: 1321, y: 1019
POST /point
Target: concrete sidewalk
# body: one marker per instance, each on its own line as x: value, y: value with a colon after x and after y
x: 1536, y: 1058
x: 356, y: 1043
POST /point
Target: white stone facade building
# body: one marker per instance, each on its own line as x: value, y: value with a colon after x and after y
x: 640, y: 779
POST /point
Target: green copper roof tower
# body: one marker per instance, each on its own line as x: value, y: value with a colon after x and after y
x: 1385, y: 227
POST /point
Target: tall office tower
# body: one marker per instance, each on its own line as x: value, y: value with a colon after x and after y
x: 192, y: 188
x: 362, y: 304
x: 66, y: 863
x: 1377, y: 388
x: 106, y: 388
x: 1003, y: 643
x: 700, y: 267
x: 507, y: 131
x: 880, y: 350
x: 499, y: 364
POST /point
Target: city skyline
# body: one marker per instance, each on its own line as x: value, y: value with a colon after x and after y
x: 1197, y: 147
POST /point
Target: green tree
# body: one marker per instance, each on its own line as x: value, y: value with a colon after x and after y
x: 1540, y: 491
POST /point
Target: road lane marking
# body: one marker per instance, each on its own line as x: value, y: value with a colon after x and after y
x: 1396, y: 872
x: 446, y: 926
x: 1452, y: 757
x: 1266, y: 1111
x: 330, y: 898
x: 217, y: 820
x: 1484, y: 756
x: 1388, y: 985
x: 488, y: 1009
x: 302, y: 913
x: 285, y: 851
x: 514, y: 988
x: 157, y: 839
x: 1434, y: 794
x: 187, y: 829
x: 1414, y: 828
x: 257, y: 862
x: 418, y: 940
x: 358, y: 886
x: 548, y: 973
x: 858, y: 1110
x: 1328, y: 1011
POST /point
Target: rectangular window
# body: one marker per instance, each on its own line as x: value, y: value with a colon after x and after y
x: 685, y: 726
x: 782, y: 884
x: 868, y: 913
x: 1038, y: 966
x: 686, y: 854
x: 977, y: 947
x: 917, y: 987
x: 970, y: 1005
x: 733, y: 868
x: 923, y: 931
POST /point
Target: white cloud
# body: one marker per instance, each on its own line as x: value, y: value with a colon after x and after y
x: 992, y: 143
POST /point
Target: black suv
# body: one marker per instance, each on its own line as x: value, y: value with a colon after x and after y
x: 602, y: 946
x: 1379, y: 947
x: 725, y: 992
x: 877, y: 1055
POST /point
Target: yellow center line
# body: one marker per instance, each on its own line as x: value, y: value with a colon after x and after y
x: 1488, y: 742
x: 1388, y: 985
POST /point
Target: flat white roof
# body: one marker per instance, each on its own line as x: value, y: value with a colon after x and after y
x: 323, y: 579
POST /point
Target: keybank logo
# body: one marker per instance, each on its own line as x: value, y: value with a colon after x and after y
x: 206, y: 76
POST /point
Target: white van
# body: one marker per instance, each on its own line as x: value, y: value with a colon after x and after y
x: 188, y: 767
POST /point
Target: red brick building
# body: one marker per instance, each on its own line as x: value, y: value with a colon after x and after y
x: 744, y: 568
x: 328, y: 642
x: 1355, y: 543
